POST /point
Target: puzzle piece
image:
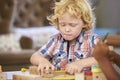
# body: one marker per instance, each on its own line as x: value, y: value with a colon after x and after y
x: 64, y: 77
x: 79, y: 76
x: 33, y: 70
x: 29, y: 77
x: 99, y: 76
x: 97, y: 73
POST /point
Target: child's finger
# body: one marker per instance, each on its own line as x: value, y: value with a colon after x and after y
x: 53, y: 68
x: 42, y: 71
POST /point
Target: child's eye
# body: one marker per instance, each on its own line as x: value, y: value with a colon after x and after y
x: 73, y: 25
x: 62, y: 24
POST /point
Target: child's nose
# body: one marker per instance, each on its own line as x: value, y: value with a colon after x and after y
x: 67, y: 28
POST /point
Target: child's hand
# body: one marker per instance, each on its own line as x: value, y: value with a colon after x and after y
x: 45, y: 67
x: 73, y: 68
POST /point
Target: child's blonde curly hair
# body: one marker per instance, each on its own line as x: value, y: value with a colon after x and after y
x: 76, y: 8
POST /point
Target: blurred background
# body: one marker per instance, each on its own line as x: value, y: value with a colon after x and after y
x: 32, y: 13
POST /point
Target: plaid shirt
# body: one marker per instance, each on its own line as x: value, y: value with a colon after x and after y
x: 59, y: 53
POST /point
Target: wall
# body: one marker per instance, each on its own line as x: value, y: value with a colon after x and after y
x: 108, y: 13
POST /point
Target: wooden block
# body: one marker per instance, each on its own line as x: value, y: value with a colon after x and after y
x: 33, y: 70
x: 99, y: 76
x: 64, y: 77
x: 3, y: 76
x: 59, y: 72
x: 96, y: 68
x: 79, y: 76
x: 29, y: 77
x: 24, y: 77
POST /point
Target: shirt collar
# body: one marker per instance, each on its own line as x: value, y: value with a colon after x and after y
x: 81, y: 37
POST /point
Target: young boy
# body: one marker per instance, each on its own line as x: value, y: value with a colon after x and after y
x: 71, y: 48
x: 105, y: 60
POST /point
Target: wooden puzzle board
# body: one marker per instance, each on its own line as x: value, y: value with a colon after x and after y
x: 31, y: 74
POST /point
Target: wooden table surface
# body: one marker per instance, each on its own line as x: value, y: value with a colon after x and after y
x: 11, y: 73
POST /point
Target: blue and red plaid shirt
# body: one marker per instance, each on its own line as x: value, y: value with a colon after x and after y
x: 57, y: 51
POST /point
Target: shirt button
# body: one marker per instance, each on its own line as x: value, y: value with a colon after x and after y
x: 81, y: 55
x: 70, y: 60
x: 59, y: 54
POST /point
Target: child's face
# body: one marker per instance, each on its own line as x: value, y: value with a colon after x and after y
x: 70, y: 27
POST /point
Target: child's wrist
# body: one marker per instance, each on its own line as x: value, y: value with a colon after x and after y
x: 82, y: 63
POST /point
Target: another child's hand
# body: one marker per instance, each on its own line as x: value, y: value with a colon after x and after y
x: 45, y: 67
x: 101, y: 50
x: 73, y: 68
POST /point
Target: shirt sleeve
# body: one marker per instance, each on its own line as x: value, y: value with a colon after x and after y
x: 47, y: 49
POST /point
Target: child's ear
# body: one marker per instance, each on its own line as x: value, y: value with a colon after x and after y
x: 85, y: 25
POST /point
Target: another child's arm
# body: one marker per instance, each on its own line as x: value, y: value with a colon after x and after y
x: 115, y: 58
x: 43, y: 64
x: 108, y: 69
x: 114, y: 40
x: 103, y: 59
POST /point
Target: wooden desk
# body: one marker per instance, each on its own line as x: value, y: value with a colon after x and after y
x: 27, y: 76
x: 11, y: 73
